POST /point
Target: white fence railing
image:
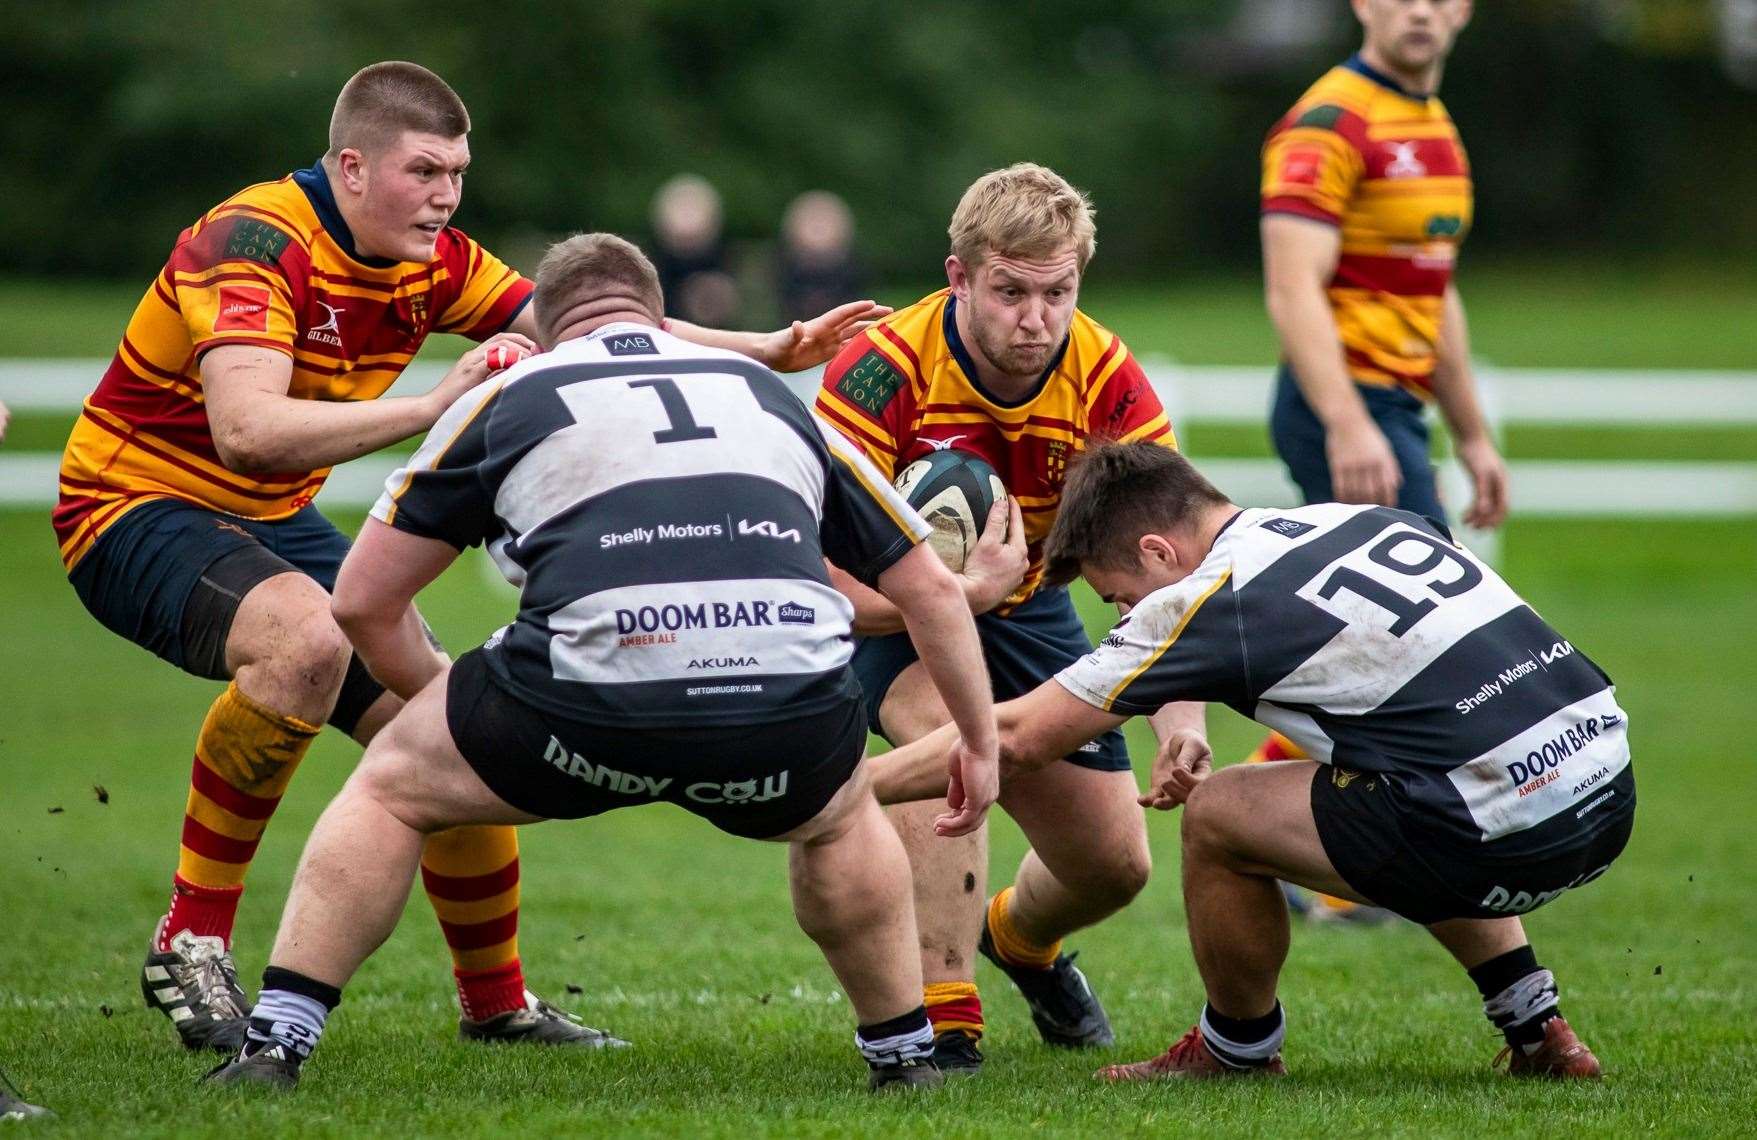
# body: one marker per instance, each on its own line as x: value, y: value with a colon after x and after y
x: 1556, y: 486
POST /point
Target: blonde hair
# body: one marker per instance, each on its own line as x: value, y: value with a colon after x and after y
x: 1026, y: 210
x: 587, y: 268
x: 383, y: 100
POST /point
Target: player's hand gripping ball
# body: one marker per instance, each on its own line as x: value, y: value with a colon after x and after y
x: 954, y: 492
x: 503, y: 356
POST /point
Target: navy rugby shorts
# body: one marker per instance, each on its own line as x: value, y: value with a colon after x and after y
x: 169, y: 575
x: 755, y: 780
x: 1401, y: 860
x: 1025, y: 648
x: 1299, y: 441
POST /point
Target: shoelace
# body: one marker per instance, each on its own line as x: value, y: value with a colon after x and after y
x: 216, y: 979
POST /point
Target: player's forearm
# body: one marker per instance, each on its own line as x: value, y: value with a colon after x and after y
x: 938, y: 619
x: 1454, y: 379
x: 279, y: 433
x: 395, y: 651
x: 874, y: 614
x: 1179, y: 716
x: 1301, y: 313
x: 915, y: 771
x: 745, y: 343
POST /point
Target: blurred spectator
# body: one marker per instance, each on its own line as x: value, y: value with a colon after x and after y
x: 690, y: 253
x: 817, y: 270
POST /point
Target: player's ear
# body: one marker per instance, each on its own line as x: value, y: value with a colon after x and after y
x: 351, y: 169
x: 958, y: 277
x: 1156, y: 549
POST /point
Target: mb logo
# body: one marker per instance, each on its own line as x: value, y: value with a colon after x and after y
x: 631, y: 344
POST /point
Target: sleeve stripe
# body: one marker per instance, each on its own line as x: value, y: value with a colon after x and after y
x: 1299, y: 207
x: 837, y: 412
x: 885, y: 496
x: 1154, y: 428
x: 1169, y: 641
x: 413, y: 468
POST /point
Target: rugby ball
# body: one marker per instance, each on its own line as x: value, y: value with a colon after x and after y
x: 953, y: 491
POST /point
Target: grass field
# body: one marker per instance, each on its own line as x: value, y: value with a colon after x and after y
x: 680, y: 939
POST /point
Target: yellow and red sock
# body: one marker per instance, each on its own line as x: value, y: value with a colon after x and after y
x: 245, y: 755
x: 1012, y: 947
x: 953, y: 1006
x: 472, y: 879
x: 1276, y: 747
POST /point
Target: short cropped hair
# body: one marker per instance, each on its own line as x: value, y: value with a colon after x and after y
x: 1025, y: 210
x: 1114, y: 494
x: 385, y: 99
x: 587, y: 268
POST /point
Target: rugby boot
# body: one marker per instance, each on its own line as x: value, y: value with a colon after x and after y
x: 195, y: 984
x: 14, y: 1106
x: 539, y: 1023
x: 1063, y: 1007
x: 1562, y: 1056
x: 955, y: 1054
x: 920, y: 1073
x: 274, y: 1067
x: 1189, y: 1059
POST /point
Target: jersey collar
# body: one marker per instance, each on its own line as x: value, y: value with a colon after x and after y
x: 314, y: 180
x: 1361, y: 67
x: 962, y: 356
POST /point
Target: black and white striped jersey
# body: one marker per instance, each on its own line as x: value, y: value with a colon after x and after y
x: 665, y: 510
x: 1377, y: 644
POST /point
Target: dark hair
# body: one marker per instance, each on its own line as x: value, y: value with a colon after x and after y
x: 586, y: 268
x: 1114, y: 494
x: 383, y: 100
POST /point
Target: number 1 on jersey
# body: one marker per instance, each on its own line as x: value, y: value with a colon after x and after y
x: 683, y: 426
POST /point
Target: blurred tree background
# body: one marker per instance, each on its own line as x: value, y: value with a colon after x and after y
x: 1604, y: 128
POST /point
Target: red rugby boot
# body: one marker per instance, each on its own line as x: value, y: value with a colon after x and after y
x: 1562, y: 1056
x: 1189, y: 1059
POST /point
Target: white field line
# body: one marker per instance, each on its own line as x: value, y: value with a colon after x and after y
x: 1556, y: 488
x: 1192, y: 394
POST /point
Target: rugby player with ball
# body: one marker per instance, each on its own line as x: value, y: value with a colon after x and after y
x: 1002, y: 366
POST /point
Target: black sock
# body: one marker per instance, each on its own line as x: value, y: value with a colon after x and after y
x: 290, y: 1012
x: 907, y: 1037
x: 1518, y: 995
x: 1243, y: 1042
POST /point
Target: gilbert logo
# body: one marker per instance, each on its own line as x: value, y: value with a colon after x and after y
x: 1404, y: 163
x: 243, y: 308
x: 327, y: 332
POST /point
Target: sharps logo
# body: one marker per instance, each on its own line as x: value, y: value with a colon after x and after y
x: 631, y: 344
x: 767, y: 529
x: 792, y: 613
x: 577, y: 766
x: 739, y: 791
x: 1288, y: 528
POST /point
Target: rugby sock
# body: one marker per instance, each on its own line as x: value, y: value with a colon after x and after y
x: 244, y: 757
x: 1243, y: 1043
x: 1518, y: 996
x: 290, y: 1012
x: 472, y: 879
x: 1276, y: 747
x: 1013, y: 947
x: 905, y: 1038
x: 953, y: 1005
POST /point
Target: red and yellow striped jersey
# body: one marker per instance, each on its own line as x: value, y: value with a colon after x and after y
x: 274, y: 266
x: 907, y: 387
x: 1387, y: 167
